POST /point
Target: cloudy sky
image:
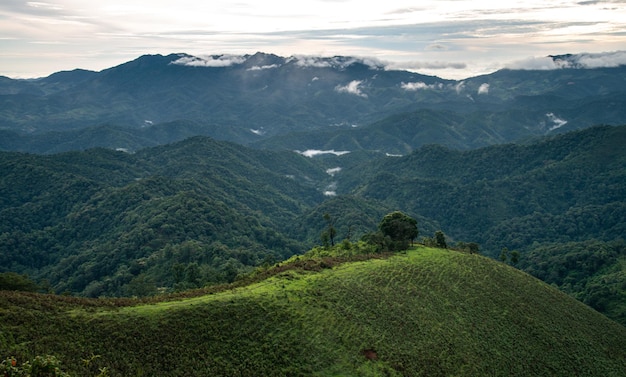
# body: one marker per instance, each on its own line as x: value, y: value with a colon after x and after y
x: 450, y: 38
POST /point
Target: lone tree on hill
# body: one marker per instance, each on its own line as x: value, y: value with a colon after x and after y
x: 440, y: 240
x: 400, y: 228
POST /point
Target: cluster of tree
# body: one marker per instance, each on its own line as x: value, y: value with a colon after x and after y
x: 566, y: 188
x: 199, y: 212
x: 396, y: 231
x: 593, y: 272
x: 109, y: 223
x: 11, y: 281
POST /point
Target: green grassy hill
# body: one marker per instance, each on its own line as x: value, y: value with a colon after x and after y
x: 429, y: 312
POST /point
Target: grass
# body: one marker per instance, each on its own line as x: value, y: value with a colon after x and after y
x: 428, y: 312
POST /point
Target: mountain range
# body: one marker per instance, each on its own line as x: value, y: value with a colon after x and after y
x: 171, y: 216
x: 201, y: 211
x: 299, y: 103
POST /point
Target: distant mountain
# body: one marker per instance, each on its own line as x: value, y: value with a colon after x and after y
x: 275, y: 102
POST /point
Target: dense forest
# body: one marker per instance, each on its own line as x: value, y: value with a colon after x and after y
x: 111, y: 223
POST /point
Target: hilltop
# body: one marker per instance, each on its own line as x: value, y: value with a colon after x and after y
x: 429, y: 312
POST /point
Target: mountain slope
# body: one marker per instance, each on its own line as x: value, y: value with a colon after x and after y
x: 566, y: 188
x: 325, y: 101
x: 95, y: 221
x: 426, y: 313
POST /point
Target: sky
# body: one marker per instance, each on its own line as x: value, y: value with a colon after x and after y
x: 452, y: 39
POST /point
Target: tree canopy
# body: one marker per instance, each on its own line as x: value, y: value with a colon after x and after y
x: 400, y: 228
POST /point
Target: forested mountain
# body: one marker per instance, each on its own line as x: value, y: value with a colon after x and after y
x: 103, y: 222
x: 301, y: 103
x: 137, y: 186
x: 94, y: 221
x: 503, y: 196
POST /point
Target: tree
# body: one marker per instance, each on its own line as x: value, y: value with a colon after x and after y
x: 400, y: 228
x: 11, y: 281
x: 473, y: 247
x: 514, y: 257
x: 440, y: 240
x: 330, y: 232
x: 504, y: 255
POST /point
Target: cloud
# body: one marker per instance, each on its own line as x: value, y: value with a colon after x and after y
x: 331, y: 189
x: 351, y: 88
x: 483, y: 89
x: 210, y: 61
x: 333, y: 171
x: 262, y: 67
x: 583, y: 60
x: 607, y: 59
x: 310, y: 61
x: 533, y: 63
x: 416, y: 65
x: 338, y: 62
x: 459, y: 87
x: 558, y: 122
x: 317, y: 152
x: 259, y: 132
x: 413, y: 86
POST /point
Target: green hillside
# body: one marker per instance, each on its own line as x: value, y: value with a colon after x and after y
x: 200, y: 211
x: 429, y: 312
x: 110, y: 223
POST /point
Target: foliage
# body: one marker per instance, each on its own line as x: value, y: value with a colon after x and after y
x: 109, y: 223
x: 428, y: 312
x: 400, y: 228
x: 561, y: 189
x: 176, y: 217
x: 593, y: 272
x: 40, y: 366
x: 11, y: 281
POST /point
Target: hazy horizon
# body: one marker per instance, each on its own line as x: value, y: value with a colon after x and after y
x: 450, y: 39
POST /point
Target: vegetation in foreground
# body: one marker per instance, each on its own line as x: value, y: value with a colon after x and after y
x: 427, y: 312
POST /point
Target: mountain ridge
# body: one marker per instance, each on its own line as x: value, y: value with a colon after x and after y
x: 252, y: 98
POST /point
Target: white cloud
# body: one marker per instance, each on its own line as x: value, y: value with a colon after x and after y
x: 459, y: 87
x: 331, y: 189
x: 413, y: 86
x: 601, y: 60
x: 351, y: 88
x: 333, y: 171
x: 452, y: 39
x: 533, y: 63
x: 338, y: 62
x: 310, y: 61
x: 583, y: 60
x: 317, y: 152
x: 483, y: 89
x: 417, y: 66
x: 210, y: 61
x: 263, y: 67
x: 558, y: 122
x: 259, y: 132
